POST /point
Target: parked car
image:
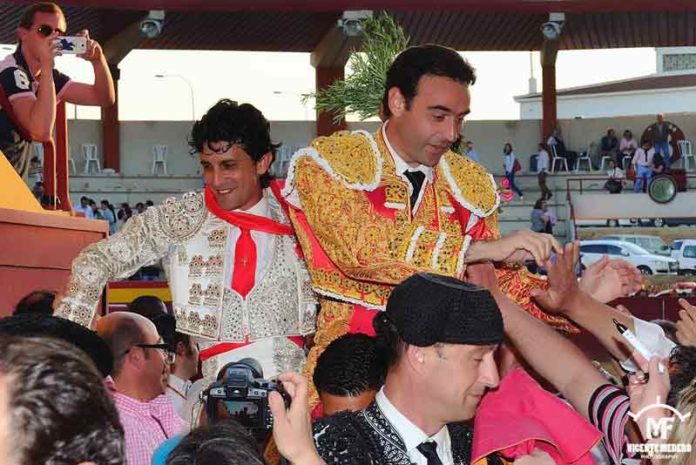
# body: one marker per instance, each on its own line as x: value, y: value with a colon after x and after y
x: 653, y: 244
x: 646, y: 262
x: 684, y: 251
x: 663, y: 222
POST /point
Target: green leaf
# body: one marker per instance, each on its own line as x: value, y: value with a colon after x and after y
x: 361, y: 92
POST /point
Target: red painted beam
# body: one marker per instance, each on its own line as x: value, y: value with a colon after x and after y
x: 548, y: 73
x: 111, y: 129
x: 324, y: 78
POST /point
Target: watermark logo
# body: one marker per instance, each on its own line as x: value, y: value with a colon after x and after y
x: 658, y: 430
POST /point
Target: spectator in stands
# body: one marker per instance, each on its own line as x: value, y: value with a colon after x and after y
x: 555, y: 143
x: 471, y: 152
x: 627, y: 148
x: 540, y: 217
x: 139, y: 207
x: 96, y: 212
x: 84, y: 208
x: 148, y: 204
x: 54, y: 408
x: 659, y: 134
x: 658, y: 165
x: 348, y: 374
x: 141, y: 369
x: 36, y: 302
x: 542, y: 171
x: 108, y: 213
x: 616, y: 176
x: 33, y: 86
x: 642, y: 164
x: 126, y: 210
x: 609, y: 145
x: 511, y: 166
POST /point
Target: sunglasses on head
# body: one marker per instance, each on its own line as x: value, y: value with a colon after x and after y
x: 46, y: 30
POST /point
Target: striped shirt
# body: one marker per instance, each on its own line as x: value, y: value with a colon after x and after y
x: 608, y: 409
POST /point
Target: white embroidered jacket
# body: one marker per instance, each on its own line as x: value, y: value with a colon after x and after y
x: 194, y: 247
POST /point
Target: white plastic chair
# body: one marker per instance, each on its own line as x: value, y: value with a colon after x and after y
x: 687, y: 154
x: 603, y: 163
x: 585, y: 158
x: 72, y: 169
x: 556, y: 159
x: 626, y: 161
x: 159, y: 158
x: 89, y: 152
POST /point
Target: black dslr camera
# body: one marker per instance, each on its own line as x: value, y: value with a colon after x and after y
x: 241, y: 393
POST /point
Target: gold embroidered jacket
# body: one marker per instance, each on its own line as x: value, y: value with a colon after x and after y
x: 353, y: 220
x: 195, y: 251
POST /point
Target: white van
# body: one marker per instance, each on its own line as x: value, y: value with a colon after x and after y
x: 684, y: 251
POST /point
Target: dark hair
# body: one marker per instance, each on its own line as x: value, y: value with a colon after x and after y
x: 42, y: 325
x: 60, y: 412
x: 224, y: 442
x: 424, y: 60
x: 27, y: 18
x: 243, y: 125
x: 349, y: 366
x: 388, y: 342
x: 149, y: 203
x: 166, y: 327
x: 148, y: 306
x: 682, y: 362
x: 507, y: 144
x: 36, y: 302
x: 537, y: 204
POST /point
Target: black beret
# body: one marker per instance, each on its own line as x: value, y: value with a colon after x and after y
x: 427, y: 308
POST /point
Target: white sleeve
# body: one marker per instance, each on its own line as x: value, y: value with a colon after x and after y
x: 653, y: 338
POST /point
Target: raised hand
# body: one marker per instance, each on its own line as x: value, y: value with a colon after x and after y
x: 607, y: 280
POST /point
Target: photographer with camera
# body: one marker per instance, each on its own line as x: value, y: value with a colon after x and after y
x: 33, y: 86
x: 224, y: 441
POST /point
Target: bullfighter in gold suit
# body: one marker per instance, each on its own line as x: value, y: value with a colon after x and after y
x: 372, y: 209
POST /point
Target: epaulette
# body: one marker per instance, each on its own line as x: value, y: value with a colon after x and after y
x: 472, y: 186
x: 349, y: 157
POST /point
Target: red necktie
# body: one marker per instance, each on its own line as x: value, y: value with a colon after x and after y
x: 244, y: 273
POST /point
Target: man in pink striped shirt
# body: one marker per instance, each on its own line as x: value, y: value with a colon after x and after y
x: 141, y: 368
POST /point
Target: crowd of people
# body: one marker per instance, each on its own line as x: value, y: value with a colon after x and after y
x: 365, y: 312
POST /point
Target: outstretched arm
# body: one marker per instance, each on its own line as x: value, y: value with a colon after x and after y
x: 575, y: 376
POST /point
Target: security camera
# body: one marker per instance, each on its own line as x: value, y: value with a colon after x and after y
x: 551, y: 30
x: 553, y: 27
x: 151, y: 27
x: 351, y: 22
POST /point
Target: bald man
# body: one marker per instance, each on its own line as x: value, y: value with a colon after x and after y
x: 141, y: 368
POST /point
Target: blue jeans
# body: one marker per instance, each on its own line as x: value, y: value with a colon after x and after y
x: 642, y: 172
x: 663, y: 149
x: 511, y: 179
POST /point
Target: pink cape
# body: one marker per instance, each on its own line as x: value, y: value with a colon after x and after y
x: 521, y: 416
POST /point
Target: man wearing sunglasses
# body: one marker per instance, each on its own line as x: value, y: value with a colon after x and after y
x: 33, y: 87
x: 141, y: 369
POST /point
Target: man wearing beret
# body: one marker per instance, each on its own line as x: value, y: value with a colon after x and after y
x: 438, y: 336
